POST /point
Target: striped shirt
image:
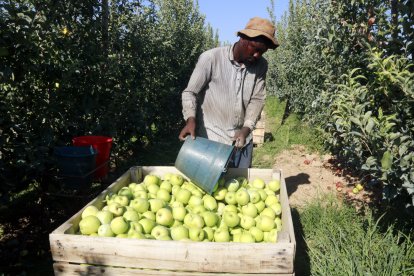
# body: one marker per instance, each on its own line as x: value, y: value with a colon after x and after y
x: 223, y: 95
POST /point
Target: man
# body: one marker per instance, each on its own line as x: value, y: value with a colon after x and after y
x: 226, y: 91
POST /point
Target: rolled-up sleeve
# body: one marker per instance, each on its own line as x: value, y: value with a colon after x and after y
x: 257, y: 101
x: 198, y: 80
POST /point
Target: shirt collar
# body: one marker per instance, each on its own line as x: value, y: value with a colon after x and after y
x: 231, y: 57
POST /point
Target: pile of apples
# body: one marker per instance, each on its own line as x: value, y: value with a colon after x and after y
x: 173, y: 208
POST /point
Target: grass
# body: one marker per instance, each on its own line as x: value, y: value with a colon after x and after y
x: 282, y: 134
x: 342, y: 242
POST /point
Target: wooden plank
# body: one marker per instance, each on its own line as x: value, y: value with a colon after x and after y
x: 175, y: 255
x: 75, y: 270
x: 199, y: 257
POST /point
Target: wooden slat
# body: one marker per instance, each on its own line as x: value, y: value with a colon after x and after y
x: 75, y: 270
x: 199, y: 257
x: 174, y: 255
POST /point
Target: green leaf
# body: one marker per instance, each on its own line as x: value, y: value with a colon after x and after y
x: 386, y: 161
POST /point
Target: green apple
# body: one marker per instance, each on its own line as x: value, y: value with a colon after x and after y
x: 232, y: 185
x: 222, y: 235
x: 277, y: 207
x: 260, y: 206
x: 136, y: 235
x: 89, y: 225
x: 209, y: 233
x: 176, y: 223
x: 254, y: 195
x: 274, y: 185
x: 116, y: 209
x: 104, y: 216
x: 121, y: 200
x: 183, y: 196
x: 271, y: 200
x: 194, y: 220
x: 153, y: 189
x: 236, y: 231
x: 230, y: 198
x: 249, y: 210
x: 195, y: 201
x: 109, y: 198
x: 196, y: 234
x: 156, y: 204
x: 140, y: 194
x: 210, y: 219
x: 131, y: 215
x: 89, y: 211
x: 268, y: 212
x: 119, y: 225
x: 147, y: 225
x: 258, y: 183
x: 256, y: 233
x: 263, y: 194
x: 220, y: 208
x: 197, y: 192
x: 125, y: 191
x: 123, y: 235
x: 265, y: 223
x: 166, y: 185
x: 164, y: 195
x: 179, y: 213
x: 164, y: 217
x: 278, y: 223
x: 243, y: 181
x: 247, y: 222
x: 176, y: 179
x: 210, y: 202
x: 135, y: 226
x: 220, y: 193
x: 139, y: 187
x: 270, y: 236
x: 179, y: 232
x: 175, y: 189
x: 105, y: 231
x: 247, y: 237
x: 159, y: 231
x: 199, y: 209
x: 149, y: 215
x: 231, y: 219
x: 167, y: 176
x: 236, y: 237
x: 151, y: 180
x: 230, y: 208
x: 132, y: 185
x: 141, y: 205
x: 242, y: 197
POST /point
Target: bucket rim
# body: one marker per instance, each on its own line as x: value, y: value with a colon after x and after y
x: 96, y: 139
x: 58, y: 151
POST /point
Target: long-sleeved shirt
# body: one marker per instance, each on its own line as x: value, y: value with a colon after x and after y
x: 223, y: 95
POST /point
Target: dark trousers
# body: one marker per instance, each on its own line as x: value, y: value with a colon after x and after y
x: 242, y: 158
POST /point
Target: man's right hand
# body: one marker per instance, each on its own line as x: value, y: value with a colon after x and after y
x: 189, y: 129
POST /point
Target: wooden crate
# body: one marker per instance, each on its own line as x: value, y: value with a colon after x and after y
x: 259, y: 131
x: 77, y: 254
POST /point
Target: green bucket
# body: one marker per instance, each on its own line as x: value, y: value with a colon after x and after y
x: 203, y: 161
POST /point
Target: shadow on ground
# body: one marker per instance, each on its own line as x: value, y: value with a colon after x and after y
x: 302, y: 261
x: 292, y: 182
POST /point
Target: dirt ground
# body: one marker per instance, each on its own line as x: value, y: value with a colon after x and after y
x: 306, y: 175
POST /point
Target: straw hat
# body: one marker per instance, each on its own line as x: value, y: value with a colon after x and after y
x: 259, y: 26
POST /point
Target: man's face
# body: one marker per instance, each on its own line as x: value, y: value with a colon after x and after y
x: 252, y: 51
